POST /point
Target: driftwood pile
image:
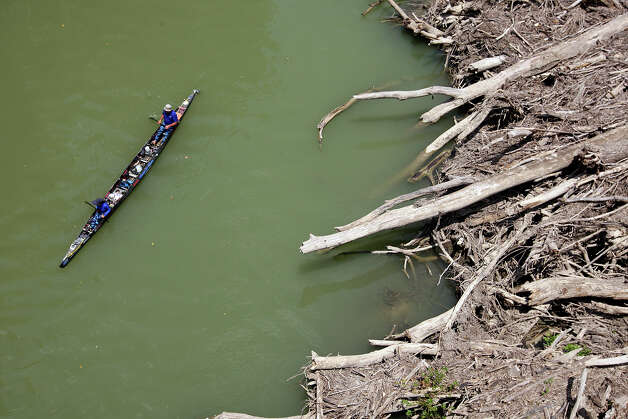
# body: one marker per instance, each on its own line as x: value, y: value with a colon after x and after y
x: 530, y: 213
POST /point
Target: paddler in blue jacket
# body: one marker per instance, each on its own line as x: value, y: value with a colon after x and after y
x: 167, y: 122
x: 103, y: 208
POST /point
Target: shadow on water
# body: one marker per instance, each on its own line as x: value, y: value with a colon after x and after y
x: 311, y: 293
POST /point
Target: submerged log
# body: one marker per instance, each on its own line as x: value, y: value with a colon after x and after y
x: 558, y: 160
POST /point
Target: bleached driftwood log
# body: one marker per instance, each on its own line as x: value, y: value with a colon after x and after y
x: 466, y: 196
x: 428, y: 327
x: 231, y: 415
x: 391, y: 203
x: 609, y: 309
x: 461, y: 130
x: 487, y: 63
x: 349, y: 361
x: 573, y: 287
x: 608, y: 362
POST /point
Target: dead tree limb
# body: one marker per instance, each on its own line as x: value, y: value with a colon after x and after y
x: 608, y: 362
x: 552, y: 289
x: 391, y: 203
x: 466, y: 196
x: 609, y: 309
x: 372, y: 6
x: 426, y: 328
x: 583, y: 383
x: 231, y: 415
x: 461, y: 130
x: 349, y: 361
x: 331, y: 115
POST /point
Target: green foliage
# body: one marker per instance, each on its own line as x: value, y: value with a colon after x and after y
x: 570, y: 347
x: 426, y: 407
x: 548, y: 384
x: 453, y: 386
x: 434, y: 377
x: 548, y: 340
x: 585, y: 351
x: 573, y: 346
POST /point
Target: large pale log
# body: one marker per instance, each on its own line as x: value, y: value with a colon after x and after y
x: 428, y: 327
x: 468, y: 195
x: 608, y: 362
x: 349, y: 361
x: 231, y: 415
x: 609, y: 309
x: 391, y: 203
x: 573, y: 287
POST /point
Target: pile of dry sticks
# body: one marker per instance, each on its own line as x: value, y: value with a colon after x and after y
x: 529, y: 211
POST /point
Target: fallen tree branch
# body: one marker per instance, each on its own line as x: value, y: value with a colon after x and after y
x: 607, y: 362
x: 372, y: 6
x: 583, y: 383
x: 391, y: 203
x: 462, y: 129
x: 566, y: 287
x: 466, y: 196
x: 331, y: 115
x: 231, y: 415
x: 349, y: 361
x: 410, y: 94
x: 609, y: 309
x: 427, y: 327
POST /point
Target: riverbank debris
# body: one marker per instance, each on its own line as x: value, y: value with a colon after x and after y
x: 535, y: 238
x: 537, y: 241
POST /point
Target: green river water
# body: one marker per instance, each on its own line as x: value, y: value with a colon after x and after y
x: 222, y: 309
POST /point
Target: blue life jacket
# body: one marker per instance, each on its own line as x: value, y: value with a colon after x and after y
x: 104, y: 208
x: 170, y: 117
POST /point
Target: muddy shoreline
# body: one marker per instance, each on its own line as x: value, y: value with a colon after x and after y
x: 529, y: 211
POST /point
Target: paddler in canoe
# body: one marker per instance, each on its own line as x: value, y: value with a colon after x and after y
x: 167, y: 122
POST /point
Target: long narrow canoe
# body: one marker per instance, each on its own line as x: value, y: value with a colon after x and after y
x: 126, y: 183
